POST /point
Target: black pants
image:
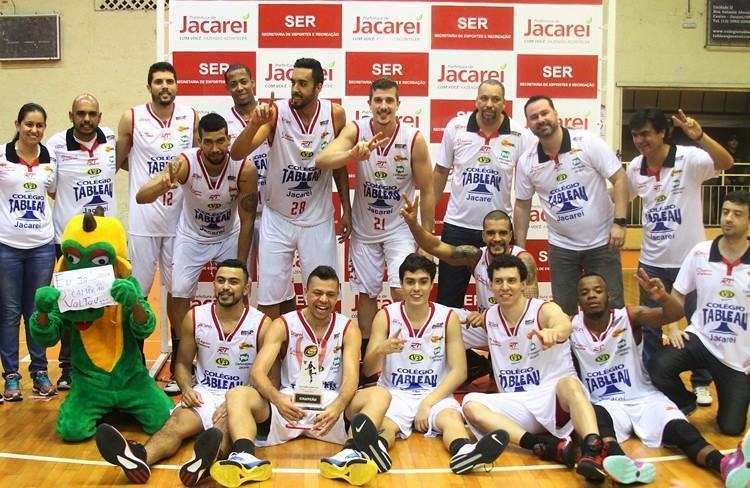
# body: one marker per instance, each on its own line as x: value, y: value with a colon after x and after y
x: 453, y: 280
x: 732, y: 386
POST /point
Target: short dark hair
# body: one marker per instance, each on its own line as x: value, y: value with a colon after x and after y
x: 739, y: 197
x: 643, y: 116
x: 493, y: 82
x: 416, y: 262
x: 536, y: 98
x: 212, y: 123
x: 383, y: 84
x: 497, y: 215
x: 28, y: 108
x: 324, y: 273
x: 591, y: 274
x: 313, y: 64
x: 507, y: 261
x: 160, y: 66
x: 235, y: 67
x: 233, y: 263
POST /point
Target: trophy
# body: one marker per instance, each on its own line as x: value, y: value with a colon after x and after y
x: 308, y: 390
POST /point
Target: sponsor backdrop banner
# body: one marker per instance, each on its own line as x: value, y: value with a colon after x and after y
x: 439, y: 52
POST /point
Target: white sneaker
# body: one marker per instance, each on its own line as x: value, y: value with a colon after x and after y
x: 172, y: 388
x: 703, y: 394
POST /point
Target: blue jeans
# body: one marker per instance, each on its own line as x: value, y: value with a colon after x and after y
x: 22, y: 271
x: 651, y: 335
x: 453, y: 280
x: 566, y: 267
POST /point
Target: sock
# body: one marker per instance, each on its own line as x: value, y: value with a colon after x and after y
x: 528, y: 441
x: 713, y: 461
x: 613, y: 448
x: 244, y: 445
x: 592, y: 446
x: 349, y: 444
x: 457, y: 444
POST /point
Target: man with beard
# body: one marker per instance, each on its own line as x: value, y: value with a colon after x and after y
x: 568, y: 169
x: 212, y: 226
x: 85, y: 179
x: 298, y: 211
x: 241, y: 86
x: 717, y: 337
x: 607, y: 342
x: 313, y: 335
x: 224, y: 330
x: 668, y: 179
x: 148, y: 137
x: 392, y: 159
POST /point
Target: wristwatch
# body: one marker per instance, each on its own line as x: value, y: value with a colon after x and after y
x: 622, y: 222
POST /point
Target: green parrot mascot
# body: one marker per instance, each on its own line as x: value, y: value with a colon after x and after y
x: 107, y: 369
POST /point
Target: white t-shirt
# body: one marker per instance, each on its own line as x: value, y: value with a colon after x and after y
x: 420, y: 367
x: 224, y: 360
x: 572, y: 189
x: 611, y: 363
x: 723, y: 289
x: 672, y: 207
x: 155, y: 143
x: 259, y: 157
x: 25, y: 214
x: 482, y: 167
x: 85, y: 176
x: 209, y: 208
x: 295, y: 188
x: 380, y: 182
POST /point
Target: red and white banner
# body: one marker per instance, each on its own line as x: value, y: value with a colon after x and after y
x: 438, y: 51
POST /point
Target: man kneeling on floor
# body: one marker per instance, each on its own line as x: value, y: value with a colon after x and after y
x: 225, y: 332
x: 419, y: 347
x: 313, y: 341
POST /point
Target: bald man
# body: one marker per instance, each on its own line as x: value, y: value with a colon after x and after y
x: 86, y: 179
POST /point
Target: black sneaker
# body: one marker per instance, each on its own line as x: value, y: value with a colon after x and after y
x: 558, y: 450
x: 484, y: 451
x: 115, y: 449
x: 64, y: 382
x: 366, y: 439
x: 205, y: 452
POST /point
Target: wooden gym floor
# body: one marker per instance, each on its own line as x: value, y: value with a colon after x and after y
x: 32, y: 454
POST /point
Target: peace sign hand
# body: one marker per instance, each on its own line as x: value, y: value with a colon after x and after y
x: 363, y: 149
x: 653, y: 286
x: 689, y: 125
x: 409, y: 211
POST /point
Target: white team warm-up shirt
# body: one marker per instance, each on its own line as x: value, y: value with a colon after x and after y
x: 611, y: 363
x: 672, y: 207
x: 519, y: 363
x: 723, y: 289
x: 422, y: 365
x: 301, y: 341
x: 259, y: 157
x: 380, y: 182
x: 154, y: 145
x: 225, y: 360
x: 85, y: 176
x: 25, y: 214
x: 572, y: 189
x: 209, y: 209
x: 483, y: 166
x: 295, y: 188
x: 485, y: 297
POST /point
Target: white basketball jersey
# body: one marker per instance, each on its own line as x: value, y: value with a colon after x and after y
x: 485, y: 297
x: 520, y: 363
x: 301, y: 341
x: 85, y: 176
x: 295, y: 188
x: 259, y: 157
x: 225, y: 360
x: 209, y: 208
x: 611, y: 363
x: 380, y: 182
x: 155, y: 143
x: 422, y: 365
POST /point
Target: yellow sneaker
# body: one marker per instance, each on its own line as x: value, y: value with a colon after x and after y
x: 239, y: 468
x: 348, y: 465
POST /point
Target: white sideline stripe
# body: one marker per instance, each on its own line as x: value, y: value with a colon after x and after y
x: 175, y: 467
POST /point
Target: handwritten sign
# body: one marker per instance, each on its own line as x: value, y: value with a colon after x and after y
x: 84, y: 288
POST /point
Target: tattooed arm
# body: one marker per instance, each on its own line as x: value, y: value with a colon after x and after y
x: 532, y: 287
x: 248, y: 205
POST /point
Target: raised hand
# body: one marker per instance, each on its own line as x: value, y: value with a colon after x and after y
x: 474, y: 319
x: 363, y: 149
x: 264, y: 112
x: 393, y: 344
x: 409, y: 211
x: 169, y: 177
x: 653, y: 286
x: 689, y: 125
x: 549, y: 337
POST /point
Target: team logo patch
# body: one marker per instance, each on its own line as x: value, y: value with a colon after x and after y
x: 94, y: 171
x: 601, y: 358
x: 416, y: 357
x: 166, y: 146
x: 306, y: 154
x: 245, y: 345
x: 661, y: 198
x: 244, y: 357
x: 483, y: 160
x: 381, y: 174
x: 515, y: 357
x: 561, y: 177
x: 726, y: 294
x: 436, y: 338
x: 311, y: 351
x: 30, y: 186
x: 222, y: 361
x: 214, y: 206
